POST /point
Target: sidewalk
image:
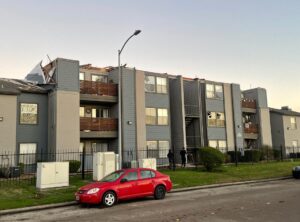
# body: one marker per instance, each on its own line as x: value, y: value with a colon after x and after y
x: 50, y: 206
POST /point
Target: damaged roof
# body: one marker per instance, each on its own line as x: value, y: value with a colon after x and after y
x: 16, y: 86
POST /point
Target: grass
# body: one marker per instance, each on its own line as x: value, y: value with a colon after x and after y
x: 16, y: 195
x: 229, y: 173
x: 24, y: 194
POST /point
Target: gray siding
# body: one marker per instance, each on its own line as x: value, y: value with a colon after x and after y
x: 214, y: 133
x: 277, y: 130
x: 67, y: 75
x: 177, y: 113
x: 128, y: 109
x: 34, y: 133
x: 237, y: 115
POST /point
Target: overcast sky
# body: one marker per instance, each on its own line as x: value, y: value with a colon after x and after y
x: 254, y: 43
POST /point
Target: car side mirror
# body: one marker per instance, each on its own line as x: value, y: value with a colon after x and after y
x: 123, y: 180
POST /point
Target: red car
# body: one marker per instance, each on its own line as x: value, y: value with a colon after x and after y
x: 125, y: 184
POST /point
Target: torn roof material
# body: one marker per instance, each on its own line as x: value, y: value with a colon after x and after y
x: 16, y: 86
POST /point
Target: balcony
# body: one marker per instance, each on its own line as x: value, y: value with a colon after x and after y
x: 98, y: 91
x: 250, y: 128
x: 248, y: 105
x: 98, y: 127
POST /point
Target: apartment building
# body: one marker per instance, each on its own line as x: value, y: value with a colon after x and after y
x: 69, y: 106
x: 216, y: 114
x: 285, y: 129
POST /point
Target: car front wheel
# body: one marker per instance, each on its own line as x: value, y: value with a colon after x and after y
x: 109, y: 199
x: 160, y: 192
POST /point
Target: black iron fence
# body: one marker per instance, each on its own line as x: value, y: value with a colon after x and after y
x: 22, y: 167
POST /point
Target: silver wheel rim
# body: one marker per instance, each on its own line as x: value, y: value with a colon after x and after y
x: 109, y: 199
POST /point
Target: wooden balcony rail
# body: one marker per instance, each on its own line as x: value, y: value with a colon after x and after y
x: 248, y: 103
x: 98, y: 88
x: 250, y: 128
x: 98, y: 124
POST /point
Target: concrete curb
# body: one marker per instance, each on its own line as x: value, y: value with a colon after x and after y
x: 178, y: 190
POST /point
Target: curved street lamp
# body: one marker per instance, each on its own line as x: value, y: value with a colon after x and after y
x: 120, y: 100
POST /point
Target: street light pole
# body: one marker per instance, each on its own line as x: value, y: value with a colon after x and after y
x: 120, y: 100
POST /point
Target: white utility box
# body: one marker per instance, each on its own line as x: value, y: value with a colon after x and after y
x: 104, y: 163
x: 148, y: 163
x: 52, y: 174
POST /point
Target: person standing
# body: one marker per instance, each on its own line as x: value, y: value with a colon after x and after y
x: 183, y: 157
x: 171, y: 159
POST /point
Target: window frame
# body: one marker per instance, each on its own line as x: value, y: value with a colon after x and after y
x: 80, y: 75
x: 37, y: 113
x: 150, y: 116
x: 99, y: 75
x: 293, y: 124
x: 154, y: 88
x: 213, y: 91
x: 163, y: 88
x: 162, y: 116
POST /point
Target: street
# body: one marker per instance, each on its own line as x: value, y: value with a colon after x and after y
x: 272, y: 201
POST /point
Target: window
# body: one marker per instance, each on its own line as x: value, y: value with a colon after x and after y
x: 211, y: 116
x: 219, y: 144
x: 131, y: 176
x: 28, y: 113
x: 152, y: 150
x: 152, y: 145
x: 161, y: 85
x: 213, y: 143
x: 214, y: 91
x: 293, y: 123
x: 150, y: 116
x: 27, y: 153
x: 149, y: 83
x: 220, y: 119
x: 163, y: 148
x: 210, y: 92
x: 295, y: 143
x: 99, y: 78
x: 81, y: 111
x: 81, y: 76
x: 218, y: 91
x: 145, y: 174
x: 100, y: 113
x: 215, y: 119
x: 162, y: 116
x: 222, y: 144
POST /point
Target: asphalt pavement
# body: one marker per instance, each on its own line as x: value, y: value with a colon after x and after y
x: 269, y: 201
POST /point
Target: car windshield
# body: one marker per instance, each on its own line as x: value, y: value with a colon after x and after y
x: 113, y: 176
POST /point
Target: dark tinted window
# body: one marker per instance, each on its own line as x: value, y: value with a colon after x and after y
x: 131, y: 176
x: 147, y: 174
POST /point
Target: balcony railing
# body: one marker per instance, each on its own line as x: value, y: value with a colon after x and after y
x: 98, y: 124
x: 248, y: 103
x: 250, y: 128
x: 98, y: 88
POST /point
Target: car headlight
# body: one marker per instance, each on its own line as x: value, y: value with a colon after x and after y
x: 94, y: 190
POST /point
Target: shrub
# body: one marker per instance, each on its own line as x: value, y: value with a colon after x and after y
x: 74, y: 166
x: 252, y: 156
x: 211, y: 158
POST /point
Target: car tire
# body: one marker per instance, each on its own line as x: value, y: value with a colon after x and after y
x: 160, y: 192
x: 109, y: 199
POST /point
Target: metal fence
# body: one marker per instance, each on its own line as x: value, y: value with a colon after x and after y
x: 22, y: 167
